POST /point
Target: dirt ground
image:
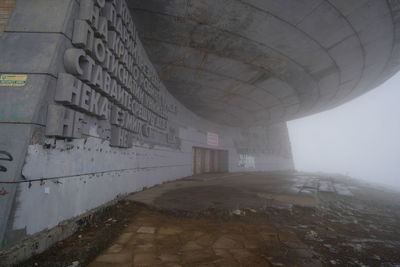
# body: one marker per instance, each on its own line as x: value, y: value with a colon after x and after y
x: 254, y: 219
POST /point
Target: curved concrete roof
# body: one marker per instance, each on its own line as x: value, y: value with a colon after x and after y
x: 255, y: 62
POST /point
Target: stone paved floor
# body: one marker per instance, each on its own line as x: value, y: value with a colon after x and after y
x: 260, y: 219
x: 160, y: 240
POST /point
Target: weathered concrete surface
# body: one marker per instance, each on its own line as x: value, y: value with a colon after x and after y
x: 88, y: 170
x: 253, y: 62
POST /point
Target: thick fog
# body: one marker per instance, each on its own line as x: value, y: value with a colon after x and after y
x: 361, y: 138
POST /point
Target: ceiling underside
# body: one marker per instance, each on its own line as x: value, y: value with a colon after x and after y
x: 256, y: 62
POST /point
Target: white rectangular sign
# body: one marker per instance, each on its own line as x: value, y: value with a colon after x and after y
x: 212, y: 139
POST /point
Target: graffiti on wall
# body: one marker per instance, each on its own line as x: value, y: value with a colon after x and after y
x: 12, y: 111
x: 5, y: 156
x: 109, y: 81
x: 247, y: 161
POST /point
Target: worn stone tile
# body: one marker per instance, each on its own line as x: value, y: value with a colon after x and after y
x: 277, y: 260
x: 223, y: 253
x: 144, y: 248
x: 169, y: 230
x: 251, y: 244
x: 115, y: 258
x: 225, y: 242
x: 231, y: 229
x: 286, y: 249
x: 300, y: 253
x: 133, y: 242
x: 124, y: 238
x: 205, y: 265
x: 115, y: 248
x: 270, y: 236
x: 171, y: 242
x: 240, y: 253
x: 164, y: 257
x: 252, y: 229
x: 226, y: 263
x: 295, y: 244
x: 288, y: 236
x: 268, y: 228
x: 191, y: 245
x: 146, y: 230
x: 144, y: 259
x: 194, y: 234
x: 236, y: 237
x: 144, y: 236
x: 197, y: 256
x: 277, y: 264
x: 205, y: 240
x: 274, y: 249
x: 132, y: 228
x: 159, y: 236
x: 142, y: 219
x: 313, y: 263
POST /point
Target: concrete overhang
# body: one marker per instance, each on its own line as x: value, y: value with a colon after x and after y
x: 256, y: 62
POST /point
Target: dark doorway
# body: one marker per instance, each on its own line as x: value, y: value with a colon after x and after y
x: 207, y: 160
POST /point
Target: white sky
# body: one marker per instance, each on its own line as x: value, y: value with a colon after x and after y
x: 360, y: 138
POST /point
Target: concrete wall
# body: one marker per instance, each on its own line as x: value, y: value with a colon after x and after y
x: 53, y: 175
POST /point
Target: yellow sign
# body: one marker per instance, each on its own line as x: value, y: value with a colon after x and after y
x: 13, y: 79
